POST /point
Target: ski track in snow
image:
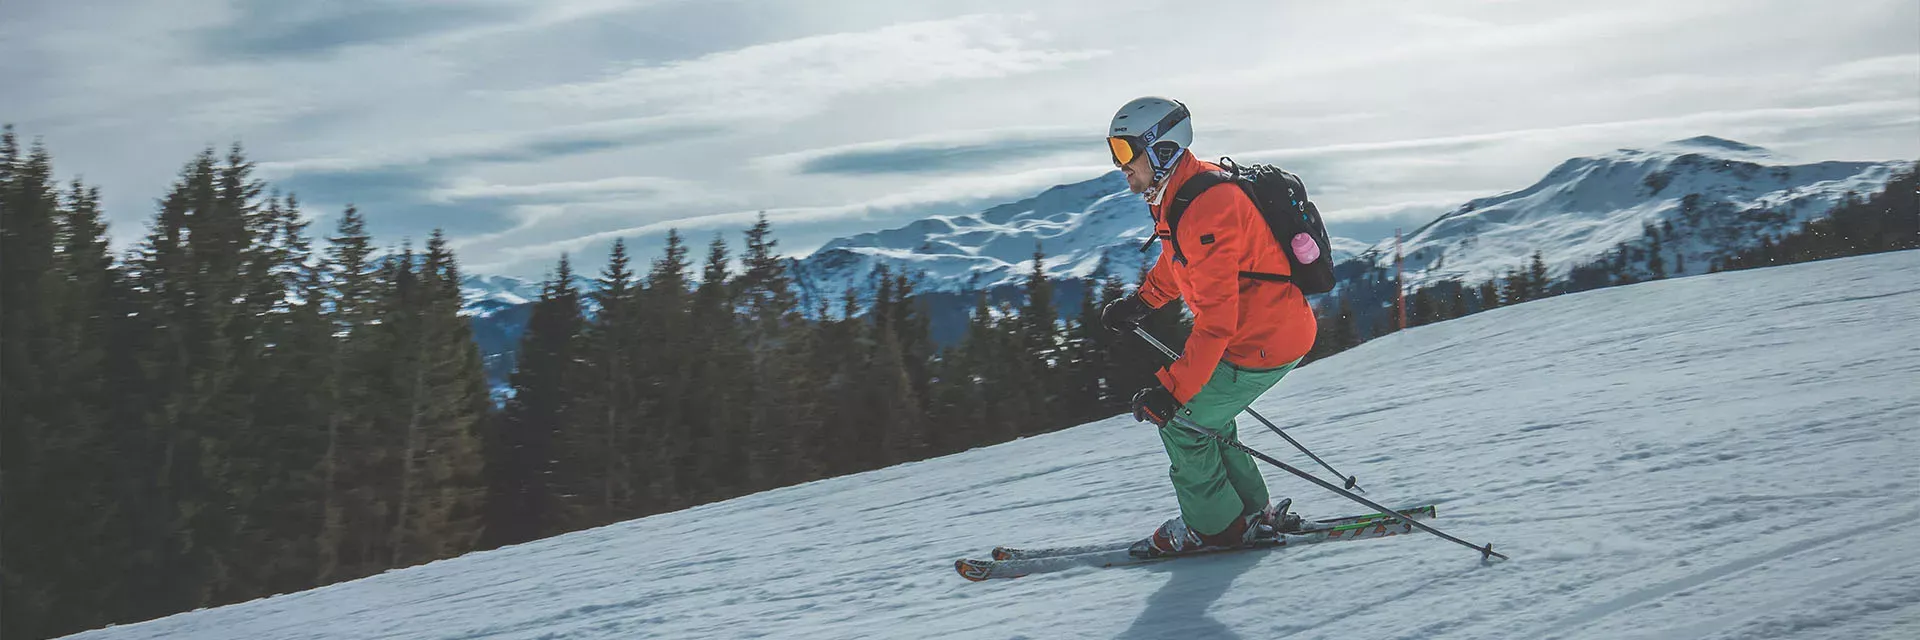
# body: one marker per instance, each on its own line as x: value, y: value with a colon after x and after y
x: 1725, y: 456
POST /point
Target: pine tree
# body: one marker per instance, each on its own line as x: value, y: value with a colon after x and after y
x: 1038, y: 316
x: 524, y: 500
x: 665, y: 302
x: 1327, y: 324
x: 901, y: 357
x: 1347, y: 328
x: 280, y: 453
x: 27, y: 209
x: 1654, y: 264
x: 602, y: 447
x: 1514, y: 288
x: 891, y: 404
x: 1130, y: 362
x: 1539, y: 284
x: 1088, y: 358
x: 779, y: 413
x: 1489, y: 294
x: 1037, y: 334
x: 345, y: 292
x: 1622, y: 271
x: 64, y: 546
x: 438, y: 507
x: 1425, y: 307
x: 714, y: 373
x: 959, y: 402
x: 189, y: 276
x: 836, y: 445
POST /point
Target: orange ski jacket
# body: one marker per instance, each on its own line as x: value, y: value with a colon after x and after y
x: 1252, y: 323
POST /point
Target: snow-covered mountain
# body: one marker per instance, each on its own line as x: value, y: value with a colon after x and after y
x: 482, y: 296
x: 1722, y: 456
x: 1576, y: 213
x: 1719, y: 195
x: 1086, y: 229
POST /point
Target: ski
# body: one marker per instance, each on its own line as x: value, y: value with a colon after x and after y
x: 1116, y: 555
x: 1010, y: 553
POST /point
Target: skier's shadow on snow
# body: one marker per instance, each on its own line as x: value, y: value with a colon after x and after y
x: 1179, y: 608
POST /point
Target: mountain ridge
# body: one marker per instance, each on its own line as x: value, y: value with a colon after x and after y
x: 1575, y: 213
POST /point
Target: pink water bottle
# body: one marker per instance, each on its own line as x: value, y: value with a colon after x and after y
x: 1305, y: 249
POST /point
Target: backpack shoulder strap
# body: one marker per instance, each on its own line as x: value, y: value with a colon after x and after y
x: 1199, y: 183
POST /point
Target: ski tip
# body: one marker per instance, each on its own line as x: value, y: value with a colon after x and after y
x: 974, y: 570
x: 1005, y: 553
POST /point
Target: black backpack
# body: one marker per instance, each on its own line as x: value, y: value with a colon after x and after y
x: 1282, y: 200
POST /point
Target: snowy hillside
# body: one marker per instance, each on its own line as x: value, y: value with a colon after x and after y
x: 1586, y: 206
x: 1723, y: 456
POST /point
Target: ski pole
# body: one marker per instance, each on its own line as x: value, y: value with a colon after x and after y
x: 1353, y: 482
x: 1485, y: 551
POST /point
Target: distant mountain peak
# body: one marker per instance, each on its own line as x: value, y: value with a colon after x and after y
x: 1706, y: 145
x: 1715, y: 142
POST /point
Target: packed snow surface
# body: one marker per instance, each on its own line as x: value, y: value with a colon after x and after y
x: 1721, y: 456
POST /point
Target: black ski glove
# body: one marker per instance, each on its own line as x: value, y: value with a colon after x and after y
x: 1154, y: 404
x: 1124, y: 314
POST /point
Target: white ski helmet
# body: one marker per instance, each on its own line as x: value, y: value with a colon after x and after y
x: 1159, y: 127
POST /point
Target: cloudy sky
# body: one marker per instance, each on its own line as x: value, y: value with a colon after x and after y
x: 529, y: 128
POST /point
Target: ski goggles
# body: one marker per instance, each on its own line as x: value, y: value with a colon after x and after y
x: 1124, y: 149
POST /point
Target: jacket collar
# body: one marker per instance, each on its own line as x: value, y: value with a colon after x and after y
x: 1184, y: 168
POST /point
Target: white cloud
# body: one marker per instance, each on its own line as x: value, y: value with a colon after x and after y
x: 578, y: 191
x: 791, y: 79
x: 944, y: 142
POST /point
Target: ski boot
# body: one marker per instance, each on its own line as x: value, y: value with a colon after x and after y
x: 1175, y: 538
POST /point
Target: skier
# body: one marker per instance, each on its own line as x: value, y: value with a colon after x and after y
x: 1248, y: 330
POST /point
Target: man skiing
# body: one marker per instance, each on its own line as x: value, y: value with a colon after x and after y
x: 1249, y: 328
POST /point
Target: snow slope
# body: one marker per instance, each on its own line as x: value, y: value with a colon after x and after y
x: 1720, y: 456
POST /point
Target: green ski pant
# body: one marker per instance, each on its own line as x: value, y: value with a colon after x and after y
x: 1214, y: 482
